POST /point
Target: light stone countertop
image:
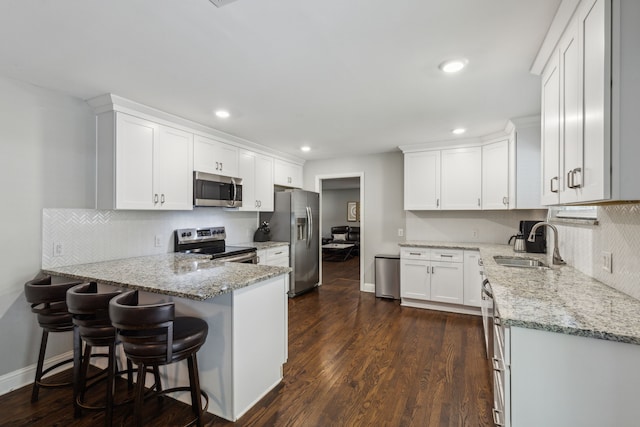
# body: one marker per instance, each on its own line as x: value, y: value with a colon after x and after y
x: 262, y: 245
x: 189, y: 276
x: 559, y: 299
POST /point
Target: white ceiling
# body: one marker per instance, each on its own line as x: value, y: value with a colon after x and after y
x: 346, y: 77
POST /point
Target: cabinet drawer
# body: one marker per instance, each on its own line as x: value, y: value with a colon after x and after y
x: 415, y: 253
x: 279, y: 252
x: 447, y: 255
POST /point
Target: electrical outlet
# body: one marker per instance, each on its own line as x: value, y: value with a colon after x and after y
x: 606, y: 261
x: 58, y: 249
x: 158, y: 241
x: 400, y: 232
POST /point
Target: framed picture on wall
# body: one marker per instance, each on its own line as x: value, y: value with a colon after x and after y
x: 353, y: 211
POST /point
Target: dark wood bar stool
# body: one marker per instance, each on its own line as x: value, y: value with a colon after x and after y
x: 48, y: 302
x: 152, y: 336
x: 90, y: 311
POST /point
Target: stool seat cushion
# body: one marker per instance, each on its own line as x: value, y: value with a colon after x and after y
x: 189, y: 333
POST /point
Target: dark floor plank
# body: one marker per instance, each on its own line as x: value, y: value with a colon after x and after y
x: 354, y: 360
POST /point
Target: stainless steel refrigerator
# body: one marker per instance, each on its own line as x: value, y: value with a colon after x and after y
x: 295, y: 219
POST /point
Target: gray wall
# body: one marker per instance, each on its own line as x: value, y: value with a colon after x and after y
x: 383, y: 210
x: 334, y: 208
x: 47, y: 159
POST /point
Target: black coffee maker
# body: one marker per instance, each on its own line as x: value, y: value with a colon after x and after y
x: 539, y: 246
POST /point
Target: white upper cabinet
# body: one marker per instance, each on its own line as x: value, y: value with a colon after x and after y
x: 495, y: 175
x: 461, y: 178
x: 422, y: 180
x: 143, y: 165
x: 215, y: 157
x: 287, y: 174
x: 256, y: 171
x: 590, y: 100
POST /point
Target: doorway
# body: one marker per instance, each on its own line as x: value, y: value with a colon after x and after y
x: 341, y: 202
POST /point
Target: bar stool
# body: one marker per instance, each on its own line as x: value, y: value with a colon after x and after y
x: 90, y: 311
x: 152, y: 336
x: 48, y: 303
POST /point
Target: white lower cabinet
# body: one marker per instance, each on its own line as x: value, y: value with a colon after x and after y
x: 558, y: 380
x: 472, y: 279
x: 432, y: 275
x: 277, y: 256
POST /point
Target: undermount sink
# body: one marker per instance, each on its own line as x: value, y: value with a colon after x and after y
x: 519, y: 262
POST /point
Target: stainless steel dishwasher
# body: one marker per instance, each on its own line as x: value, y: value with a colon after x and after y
x: 387, y: 276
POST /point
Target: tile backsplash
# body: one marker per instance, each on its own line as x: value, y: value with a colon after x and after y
x: 618, y: 232
x: 89, y: 235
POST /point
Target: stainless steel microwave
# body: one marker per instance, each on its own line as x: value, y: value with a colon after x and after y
x: 216, y: 190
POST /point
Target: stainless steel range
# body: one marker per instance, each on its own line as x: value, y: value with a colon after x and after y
x: 211, y: 241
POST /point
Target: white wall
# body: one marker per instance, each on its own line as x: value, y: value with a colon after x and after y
x: 47, y: 159
x: 383, y: 210
x: 334, y: 208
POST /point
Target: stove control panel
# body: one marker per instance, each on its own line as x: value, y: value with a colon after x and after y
x: 193, y: 235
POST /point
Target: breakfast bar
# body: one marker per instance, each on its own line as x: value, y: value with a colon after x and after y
x: 245, y: 306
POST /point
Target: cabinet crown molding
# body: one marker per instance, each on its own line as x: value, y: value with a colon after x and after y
x: 112, y: 102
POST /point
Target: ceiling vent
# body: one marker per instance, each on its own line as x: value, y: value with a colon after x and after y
x: 220, y: 3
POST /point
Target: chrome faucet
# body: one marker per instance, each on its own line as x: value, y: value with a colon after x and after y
x: 557, y: 259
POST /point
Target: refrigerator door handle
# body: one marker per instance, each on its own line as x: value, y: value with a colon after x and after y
x: 309, y: 226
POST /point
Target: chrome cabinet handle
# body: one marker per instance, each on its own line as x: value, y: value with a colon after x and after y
x: 555, y: 178
x: 220, y: 166
x: 496, y: 364
x: 446, y: 256
x: 162, y: 198
x: 505, y: 201
x: 217, y: 166
x: 480, y: 263
x: 155, y: 198
x: 496, y: 420
x: 437, y: 203
x: 571, y: 178
x: 478, y: 201
x: 415, y: 253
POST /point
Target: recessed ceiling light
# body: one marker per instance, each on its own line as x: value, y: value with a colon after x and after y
x: 223, y: 114
x: 458, y: 131
x: 453, y: 65
x: 305, y: 148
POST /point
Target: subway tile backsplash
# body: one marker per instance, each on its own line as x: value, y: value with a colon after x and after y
x: 90, y: 235
x: 618, y: 232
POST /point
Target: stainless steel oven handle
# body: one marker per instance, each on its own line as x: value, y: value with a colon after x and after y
x: 485, y: 289
x: 251, y: 257
x: 235, y: 192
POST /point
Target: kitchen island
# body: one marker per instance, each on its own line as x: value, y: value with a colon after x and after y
x: 245, y: 306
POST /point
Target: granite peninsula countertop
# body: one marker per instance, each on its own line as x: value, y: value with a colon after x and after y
x: 189, y: 276
x: 559, y: 299
x: 262, y: 245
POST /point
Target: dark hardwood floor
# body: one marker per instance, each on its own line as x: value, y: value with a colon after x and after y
x: 354, y: 360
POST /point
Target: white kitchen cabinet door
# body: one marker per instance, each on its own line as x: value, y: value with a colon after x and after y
x: 570, y: 113
x: 472, y: 279
x: 153, y: 165
x: 287, y: 174
x: 256, y: 171
x: 593, y: 182
x: 422, y: 180
x: 215, y: 157
x: 134, y: 142
x: 415, y: 279
x: 173, y: 163
x: 461, y: 178
x: 447, y: 282
x: 495, y: 175
x: 264, y: 183
x: 550, y: 192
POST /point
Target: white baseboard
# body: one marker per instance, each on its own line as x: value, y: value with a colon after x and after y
x: 368, y: 287
x: 22, y: 377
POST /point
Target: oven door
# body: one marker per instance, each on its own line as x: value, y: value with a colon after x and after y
x: 216, y: 190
